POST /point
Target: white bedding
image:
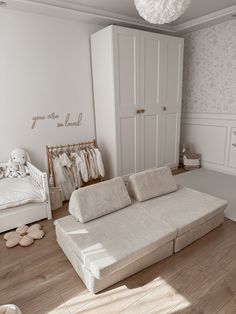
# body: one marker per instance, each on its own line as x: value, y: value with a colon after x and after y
x: 20, y: 191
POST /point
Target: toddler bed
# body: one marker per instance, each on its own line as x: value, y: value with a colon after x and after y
x: 24, y: 200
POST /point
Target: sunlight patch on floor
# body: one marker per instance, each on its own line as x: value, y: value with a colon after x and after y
x: 162, y: 298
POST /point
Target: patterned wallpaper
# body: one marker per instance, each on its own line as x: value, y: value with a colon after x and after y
x: 210, y: 70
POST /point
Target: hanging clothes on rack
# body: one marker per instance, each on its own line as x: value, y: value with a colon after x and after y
x: 82, y: 158
x: 67, y: 168
x: 95, y: 162
x: 61, y: 179
x: 71, y: 166
x: 76, y: 170
x: 99, y: 161
x: 92, y: 167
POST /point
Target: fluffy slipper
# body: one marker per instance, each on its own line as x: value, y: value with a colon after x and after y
x: 37, y: 234
x: 34, y: 227
x: 26, y: 241
x: 14, y: 241
x: 22, y: 230
x: 10, y: 235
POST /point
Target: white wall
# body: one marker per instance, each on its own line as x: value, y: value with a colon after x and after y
x: 209, y: 95
x: 45, y: 67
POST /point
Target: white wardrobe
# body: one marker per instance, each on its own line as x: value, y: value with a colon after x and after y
x: 137, y: 80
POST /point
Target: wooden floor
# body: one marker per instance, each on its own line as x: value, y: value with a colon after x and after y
x: 199, y: 279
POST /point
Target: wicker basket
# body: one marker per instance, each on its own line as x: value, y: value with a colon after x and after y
x: 190, y: 164
x: 56, y: 197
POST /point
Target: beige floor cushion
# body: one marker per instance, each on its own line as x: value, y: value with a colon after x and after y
x: 111, y: 242
x: 185, y: 208
x: 197, y: 232
x: 95, y: 285
x: 151, y: 183
x: 100, y: 199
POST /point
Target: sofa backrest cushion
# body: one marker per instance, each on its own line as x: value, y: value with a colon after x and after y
x: 100, y: 199
x: 151, y: 183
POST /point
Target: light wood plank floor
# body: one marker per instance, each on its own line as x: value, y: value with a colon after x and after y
x: 199, y: 279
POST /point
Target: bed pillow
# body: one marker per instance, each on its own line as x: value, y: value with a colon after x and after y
x: 100, y: 199
x: 151, y: 183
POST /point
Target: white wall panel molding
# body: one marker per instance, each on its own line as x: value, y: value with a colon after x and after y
x: 214, y: 136
x: 211, y: 116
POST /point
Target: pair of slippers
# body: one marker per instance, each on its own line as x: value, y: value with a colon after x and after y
x: 24, y: 235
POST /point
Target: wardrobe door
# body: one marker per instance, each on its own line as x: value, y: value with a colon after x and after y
x: 152, y: 54
x: 127, y: 95
x: 171, y: 108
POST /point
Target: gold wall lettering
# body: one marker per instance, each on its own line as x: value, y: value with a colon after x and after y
x: 68, y: 121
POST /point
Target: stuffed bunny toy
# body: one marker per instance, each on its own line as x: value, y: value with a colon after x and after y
x: 12, y: 170
x: 17, y: 164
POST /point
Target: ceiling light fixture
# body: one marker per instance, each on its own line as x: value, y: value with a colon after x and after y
x: 161, y: 11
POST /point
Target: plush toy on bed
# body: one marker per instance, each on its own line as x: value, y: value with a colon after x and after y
x: 17, y: 167
x: 12, y: 170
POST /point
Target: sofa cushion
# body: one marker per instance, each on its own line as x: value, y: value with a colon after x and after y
x: 185, y: 209
x: 100, y: 199
x: 197, y: 232
x: 151, y: 183
x: 95, y: 285
x: 111, y: 242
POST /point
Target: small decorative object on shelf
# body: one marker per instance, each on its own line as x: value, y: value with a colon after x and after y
x: 191, y: 160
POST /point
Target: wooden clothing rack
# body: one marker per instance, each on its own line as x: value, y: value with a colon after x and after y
x: 51, y: 149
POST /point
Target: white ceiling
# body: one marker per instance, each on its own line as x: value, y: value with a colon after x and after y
x: 197, y: 8
x: 123, y: 7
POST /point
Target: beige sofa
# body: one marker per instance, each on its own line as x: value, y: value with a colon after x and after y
x: 120, y: 236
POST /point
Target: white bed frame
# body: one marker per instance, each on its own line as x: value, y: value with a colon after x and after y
x: 14, y: 217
